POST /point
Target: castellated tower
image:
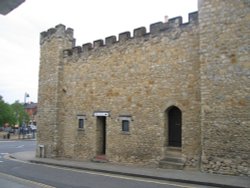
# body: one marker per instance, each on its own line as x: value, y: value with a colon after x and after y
x: 225, y: 85
x: 176, y: 96
x: 52, y: 43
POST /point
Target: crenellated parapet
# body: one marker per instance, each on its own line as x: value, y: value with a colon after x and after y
x: 60, y: 31
x: 154, y: 30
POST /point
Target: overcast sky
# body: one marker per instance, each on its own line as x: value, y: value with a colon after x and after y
x: 90, y: 19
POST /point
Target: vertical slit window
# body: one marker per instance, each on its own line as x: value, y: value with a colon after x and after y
x: 125, y: 125
x: 80, y: 123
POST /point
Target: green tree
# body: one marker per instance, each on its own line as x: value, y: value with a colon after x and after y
x: 19, y: 113
x: 6, y: 113
x: 12, y: 114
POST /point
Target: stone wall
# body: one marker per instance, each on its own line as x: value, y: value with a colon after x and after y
x: 141, y: 77
x: 52, y: 43
x: 201, y: 67
x: 225, y: 85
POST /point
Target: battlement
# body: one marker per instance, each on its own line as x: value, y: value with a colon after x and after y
x: 59, y: 31
x: 155, y: 29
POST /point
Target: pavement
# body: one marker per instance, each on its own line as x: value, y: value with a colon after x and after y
x: 181, y: 176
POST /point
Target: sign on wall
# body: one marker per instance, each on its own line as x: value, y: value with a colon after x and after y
x: 101, y: 113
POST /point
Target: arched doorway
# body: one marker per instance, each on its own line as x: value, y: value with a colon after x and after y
x: 174, y: 127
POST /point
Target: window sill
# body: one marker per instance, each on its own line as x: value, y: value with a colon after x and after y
x: 81, y: 129
x: 125, y: 133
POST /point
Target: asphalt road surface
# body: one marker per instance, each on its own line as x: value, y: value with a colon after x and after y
x: 18, y: 174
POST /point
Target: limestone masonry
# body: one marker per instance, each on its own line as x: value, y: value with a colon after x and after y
x: 177, y: 96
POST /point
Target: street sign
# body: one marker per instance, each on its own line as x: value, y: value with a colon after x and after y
x: 106, y: 114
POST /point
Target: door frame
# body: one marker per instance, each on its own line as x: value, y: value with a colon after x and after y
x: 101, y: 131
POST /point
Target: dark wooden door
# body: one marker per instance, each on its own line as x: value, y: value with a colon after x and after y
x: 174, y: 127
x: 104, y: 136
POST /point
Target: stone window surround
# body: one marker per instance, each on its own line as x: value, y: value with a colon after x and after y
x: 79, y: 117
x: 125, y: 118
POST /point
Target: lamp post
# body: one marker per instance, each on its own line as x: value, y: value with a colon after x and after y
x: 26, y: 95
x: 23, y: 128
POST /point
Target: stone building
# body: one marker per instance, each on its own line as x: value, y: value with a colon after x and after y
x: 177, y: 96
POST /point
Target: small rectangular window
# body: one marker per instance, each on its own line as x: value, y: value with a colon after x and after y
x: 125, y: 125
x: 80, y: 123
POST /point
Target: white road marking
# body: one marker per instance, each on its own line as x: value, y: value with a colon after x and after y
x: 4, y: 153
x: 21, y: 146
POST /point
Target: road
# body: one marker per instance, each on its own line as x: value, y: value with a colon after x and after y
x: 18, y: 174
